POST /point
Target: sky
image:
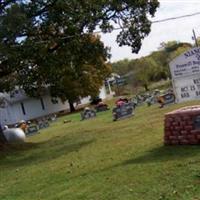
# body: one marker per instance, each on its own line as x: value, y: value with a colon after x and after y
x: 179, y: 29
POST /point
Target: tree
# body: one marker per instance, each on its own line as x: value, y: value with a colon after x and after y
x: 51, y: 43
x: 152, y: 68
x: 146, y: 71
x: 121, y: 67
x: 174, y: 48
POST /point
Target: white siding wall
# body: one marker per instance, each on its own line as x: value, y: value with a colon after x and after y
x: 85, y: 100
x: 4, y: 117
x: 33, y: 108
x: 52, y: 108
x: 103, y: 93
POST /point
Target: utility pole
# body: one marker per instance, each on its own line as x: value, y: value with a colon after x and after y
x: 194, y: 38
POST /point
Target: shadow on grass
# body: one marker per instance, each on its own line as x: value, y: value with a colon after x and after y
x: 156, y: 155
x: 35, y: 153
x: 165, y: 153
x: 14, y: 148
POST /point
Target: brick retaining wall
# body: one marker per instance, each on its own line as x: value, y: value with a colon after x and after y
x: 182, y: 126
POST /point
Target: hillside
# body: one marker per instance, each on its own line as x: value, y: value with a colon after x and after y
x: 102, y: 160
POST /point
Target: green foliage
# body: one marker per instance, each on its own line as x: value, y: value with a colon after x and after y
x: 121, y: 67
x: 198, y: 41
x: 152, y: 68
x: 174, y: 48
x: 51, y: 43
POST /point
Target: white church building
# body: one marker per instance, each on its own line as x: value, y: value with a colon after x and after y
x: 19, y: 106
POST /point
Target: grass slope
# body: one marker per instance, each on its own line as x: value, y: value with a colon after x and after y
x: 102, y: 160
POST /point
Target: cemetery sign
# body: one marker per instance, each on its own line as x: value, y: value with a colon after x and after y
x: 185, y: 71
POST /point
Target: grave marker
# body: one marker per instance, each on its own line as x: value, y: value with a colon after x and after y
x: 88, y: 114
x: 123, y: 111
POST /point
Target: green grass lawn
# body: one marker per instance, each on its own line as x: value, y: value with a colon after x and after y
x: 102, y: 160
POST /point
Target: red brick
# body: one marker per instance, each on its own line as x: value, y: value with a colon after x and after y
x: 170, y: 119
x: 188, y: 128
x: 174, y: 142
x: 195, y: 131
x: 190, y: 123
x: 175, y: 133
x: 177, y: 128
x: 185, y: 117
x: 181, y: 137
x: 184, y: 132
x: 193, y: 142
x: 184, y: 141
x: 191, y: 137
x: 198, y: 137
x: 173, y: 137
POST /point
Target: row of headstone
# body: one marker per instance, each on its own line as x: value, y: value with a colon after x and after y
x: 91, y: 113
x: 22, y: 129
x: 156, y: 96
x: 125, y: 108
x: 39, y: 124
x: 123, y: 111
x: 35, y: 127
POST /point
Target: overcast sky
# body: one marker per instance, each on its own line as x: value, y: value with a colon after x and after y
x: 179, y: 29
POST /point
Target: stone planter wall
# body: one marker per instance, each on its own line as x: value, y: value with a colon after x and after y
x: 182, y: 126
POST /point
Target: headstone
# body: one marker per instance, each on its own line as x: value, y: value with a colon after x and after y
x: 101, y: 108
x: 166, y: 99
x: 33, y: 128
x: 87, y: 114
x: 123, y: 111
x: 43, y: 124
x: 169, y: 98
x: 150, y: 100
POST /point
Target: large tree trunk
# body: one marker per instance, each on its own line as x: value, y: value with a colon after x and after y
x: 71, y: 106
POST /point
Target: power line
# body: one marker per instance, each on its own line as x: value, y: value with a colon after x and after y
x: 163, y: 20
x: 174, y: 18
x: 153, y: 22
x: 124, y: 27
